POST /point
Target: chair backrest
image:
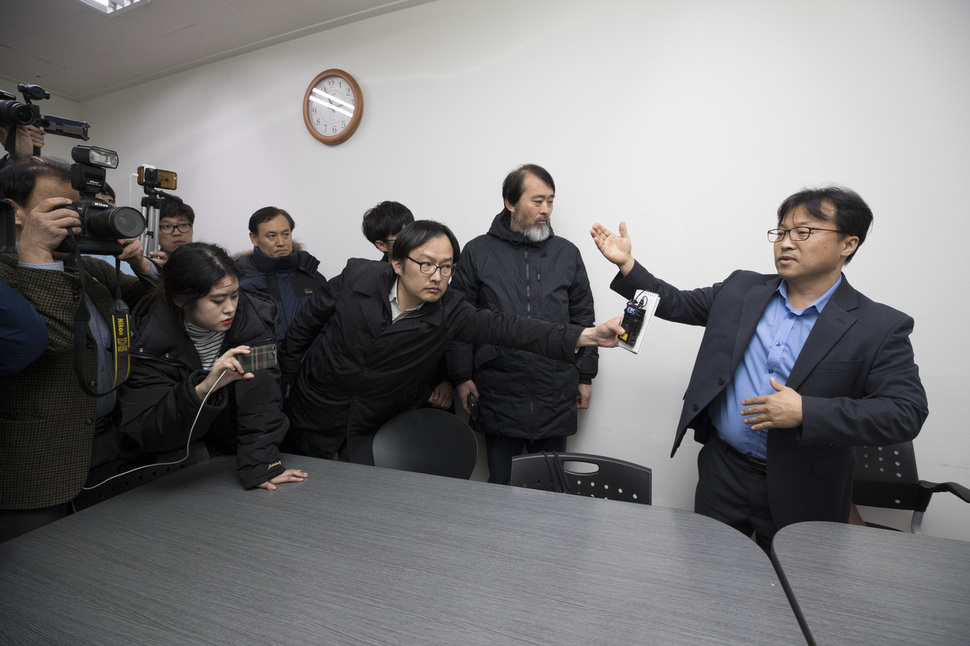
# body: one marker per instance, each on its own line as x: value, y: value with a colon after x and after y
x: 886, y: 476
x: 427, y: 440
x: 585, y: 475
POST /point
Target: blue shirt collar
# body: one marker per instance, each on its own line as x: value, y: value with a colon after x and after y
x: 819, y: 304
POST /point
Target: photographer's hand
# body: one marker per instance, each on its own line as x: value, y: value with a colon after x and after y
x: 159, y: 256
x: 44, y: 228
x: 27, y: 141
x: 134, y: 254
x: 30, y: 139
x: 227, y: 364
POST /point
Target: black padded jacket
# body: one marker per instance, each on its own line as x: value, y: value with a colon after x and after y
x: 523, y: 394
x: 158, y: 402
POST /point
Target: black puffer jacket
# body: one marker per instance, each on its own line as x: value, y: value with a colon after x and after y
x: 523, y: 394
x: 158, y: 402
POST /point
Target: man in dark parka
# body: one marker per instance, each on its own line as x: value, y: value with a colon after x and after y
x: 525, y: 401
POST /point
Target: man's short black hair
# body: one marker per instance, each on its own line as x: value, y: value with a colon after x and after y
x: 173, y: 209
x: 266, y: 214
x: 418, y: 233
x: 17, y: 180
x: 385, y: 219
x: 853, y: 216
x: 514, y: 184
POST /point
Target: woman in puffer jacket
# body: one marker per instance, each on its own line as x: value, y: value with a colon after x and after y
x: 187, y: 381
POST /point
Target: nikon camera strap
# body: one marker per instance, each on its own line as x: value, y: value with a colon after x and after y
x: 120, y: 332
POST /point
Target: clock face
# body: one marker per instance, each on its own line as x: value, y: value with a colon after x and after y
x: 332, y: 106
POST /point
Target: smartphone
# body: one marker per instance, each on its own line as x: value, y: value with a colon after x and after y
x: 260, y: 357
x: 167, y: 179
x: 472, y: 407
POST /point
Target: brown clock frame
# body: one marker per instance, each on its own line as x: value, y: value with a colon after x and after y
x: 354, y: 120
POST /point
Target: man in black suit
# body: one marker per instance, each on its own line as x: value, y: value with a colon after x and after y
x: 794, y: 369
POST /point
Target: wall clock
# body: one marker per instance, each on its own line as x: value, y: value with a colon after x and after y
x: 332, y: 106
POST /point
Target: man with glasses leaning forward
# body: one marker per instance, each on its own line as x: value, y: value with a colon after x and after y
x: 794, y: 370
x: 387, y: 326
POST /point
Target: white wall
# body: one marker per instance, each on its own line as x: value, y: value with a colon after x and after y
x: 691, y: 120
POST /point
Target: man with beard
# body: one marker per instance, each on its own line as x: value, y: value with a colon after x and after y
x: 524, y: 401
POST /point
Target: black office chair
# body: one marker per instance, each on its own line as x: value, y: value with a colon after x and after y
x: 886, y: 476
x: 585, y: 475
x: 427, y: 440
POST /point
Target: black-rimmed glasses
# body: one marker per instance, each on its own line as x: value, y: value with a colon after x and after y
x: 797, y: 234
x: 429, y: 268
x: 184, y: 227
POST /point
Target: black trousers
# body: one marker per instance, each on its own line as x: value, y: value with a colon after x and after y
x: 500, y: 450
x: 733, y: 492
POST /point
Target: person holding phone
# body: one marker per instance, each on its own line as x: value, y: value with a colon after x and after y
x: 189, y: 380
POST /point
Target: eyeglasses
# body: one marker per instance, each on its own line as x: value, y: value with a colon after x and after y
x: 387, y: 240
x: 429, y: 268
x: 797, y: 234
x: 184, y: 227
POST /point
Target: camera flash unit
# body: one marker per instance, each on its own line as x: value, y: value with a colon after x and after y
x: 94, y: 156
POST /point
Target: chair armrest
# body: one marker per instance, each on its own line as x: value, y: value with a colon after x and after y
x: 926, y: 491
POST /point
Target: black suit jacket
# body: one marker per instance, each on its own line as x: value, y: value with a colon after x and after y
x: 856, y: 374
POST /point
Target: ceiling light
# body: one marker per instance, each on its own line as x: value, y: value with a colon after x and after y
x: 112, y: 7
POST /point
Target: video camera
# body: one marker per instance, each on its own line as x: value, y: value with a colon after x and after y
x: 14, y: 113
x: 101, y: 223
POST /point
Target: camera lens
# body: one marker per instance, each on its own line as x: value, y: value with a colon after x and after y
x: 15, y: 113
x: 120, y: 222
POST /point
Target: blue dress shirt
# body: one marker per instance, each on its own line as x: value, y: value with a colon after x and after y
x: 776, y: 344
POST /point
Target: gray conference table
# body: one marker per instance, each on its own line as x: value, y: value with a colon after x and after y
x: 863, y: 585
x: 362, y: 555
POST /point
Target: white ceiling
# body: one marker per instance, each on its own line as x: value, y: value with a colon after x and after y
x: 76, y: 52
